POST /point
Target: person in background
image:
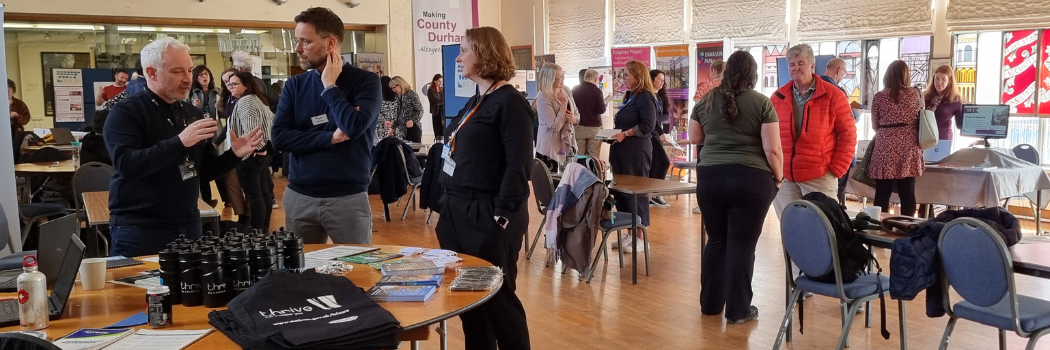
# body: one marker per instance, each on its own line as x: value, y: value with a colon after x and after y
x: 436, y: 96
x: 19, y: 111
x: 386, y: 127
x: 896, y: 157
x: 555, y: 109
x: 120, y: 78
x: 409, y: 110
x: 740, y: 169
x: 159, y: 146
x: 135, y: 85
x: 485, y: 210
x: 326, y: 122
x: 632, y: 152
x: 942, y: 97
x: 717, y: 67
x: 93, y: 145
x: 590, y: 106
x: 228, y: 185
x: 660, y: 162
x: 834, y: 73
x: 203, y: 95
x: 817, y: 131
x: 582, y: 75
x: 251, y: 112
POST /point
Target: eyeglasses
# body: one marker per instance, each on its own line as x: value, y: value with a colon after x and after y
x: 233, y: 84
x: 305, y: 43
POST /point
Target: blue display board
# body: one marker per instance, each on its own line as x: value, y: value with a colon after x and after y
x: 453, y: 103
x: 90, y: 76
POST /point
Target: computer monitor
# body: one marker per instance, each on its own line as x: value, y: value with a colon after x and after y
x: 987, y: 121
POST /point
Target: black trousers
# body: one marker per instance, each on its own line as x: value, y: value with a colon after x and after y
x: 205, y: 190
x: 252, y: 173
x: 660, y: 162
x: 842, y: 186
x: 438, y: 121
x: 467, y: 226
x: 905, y: 190
x: 735, y: 199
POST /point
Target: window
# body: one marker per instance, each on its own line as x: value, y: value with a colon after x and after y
x: 967, y: 53
x: 915, y: 51
x: 966, y: 67
x: 1019, y: 72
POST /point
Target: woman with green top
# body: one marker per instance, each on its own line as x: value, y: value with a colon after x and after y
x: 740, y: 169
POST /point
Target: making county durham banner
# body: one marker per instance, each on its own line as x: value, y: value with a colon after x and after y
x: 619, y: 69
x: 436, y: 23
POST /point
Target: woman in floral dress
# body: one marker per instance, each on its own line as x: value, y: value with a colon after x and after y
x: 896, y: 159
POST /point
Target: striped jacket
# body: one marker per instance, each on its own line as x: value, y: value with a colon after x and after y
x: 250, y: 113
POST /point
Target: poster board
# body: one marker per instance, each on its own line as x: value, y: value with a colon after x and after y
x: 674, y: 62
x: 69, y: 95
x: 523, y: 59
x: 450, y: 69
x: 620, y: 57
x: 372, y: 62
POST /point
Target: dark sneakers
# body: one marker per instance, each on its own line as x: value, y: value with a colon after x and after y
x: 751, y: 315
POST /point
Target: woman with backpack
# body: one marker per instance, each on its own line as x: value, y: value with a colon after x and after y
x: 740, y: 170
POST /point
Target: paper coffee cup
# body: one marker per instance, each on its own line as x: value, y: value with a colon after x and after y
x: 874, y: 211
x: 93, y: 273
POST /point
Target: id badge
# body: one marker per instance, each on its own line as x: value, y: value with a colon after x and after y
x: 450, y: 166
x: 321, y: 119
x: 187, y: 169
x: 446, y: 153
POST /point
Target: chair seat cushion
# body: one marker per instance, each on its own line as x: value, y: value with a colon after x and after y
x: 416, y: 180
x: 37, y: 209
x: 14, y: 261
x: 621, y: 220
x: 684, y: 164
x: 1034, y: 312
x: 865, y: 285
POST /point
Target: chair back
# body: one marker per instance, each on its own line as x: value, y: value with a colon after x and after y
x: 4, y: 230
x: 808, y: 238
x: 542, y: 184
x: 976, y: 262
x: 1027, y: 153
x: 90, y: 177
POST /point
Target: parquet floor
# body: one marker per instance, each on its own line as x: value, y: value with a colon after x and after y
x: 662, y: 311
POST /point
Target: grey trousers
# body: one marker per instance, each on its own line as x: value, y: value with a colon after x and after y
x: 347, y: 219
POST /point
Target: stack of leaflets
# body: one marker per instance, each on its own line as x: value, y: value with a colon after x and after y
x: 412, y: 268
x: 401, y: 293
x: 368, y: 258
x: 480, y: 278
x: 92, y: 338
x: 379, y: 265
x: 421, y: 280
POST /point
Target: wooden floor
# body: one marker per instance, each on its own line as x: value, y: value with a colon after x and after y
x: 663, y: 310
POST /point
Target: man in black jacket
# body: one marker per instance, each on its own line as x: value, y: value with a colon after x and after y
x: 159, y: 148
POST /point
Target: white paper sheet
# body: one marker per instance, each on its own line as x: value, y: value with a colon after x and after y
x: 337, y: 251
x: 159, y: 340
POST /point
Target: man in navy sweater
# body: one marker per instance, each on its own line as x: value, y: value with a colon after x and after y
x: 326, y: 120
x: 159, y: 148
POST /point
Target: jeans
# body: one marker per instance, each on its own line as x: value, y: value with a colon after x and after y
x: 132, y: 241
x: 252, y: 173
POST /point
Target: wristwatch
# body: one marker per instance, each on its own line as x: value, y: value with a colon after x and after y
x: 501, y: 221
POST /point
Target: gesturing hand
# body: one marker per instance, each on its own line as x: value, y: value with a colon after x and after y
x: 243, y: 146
x: 200, y: 130
x: 332, y: 69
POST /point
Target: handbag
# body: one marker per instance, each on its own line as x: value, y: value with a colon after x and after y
x: 928, y: 133
x: 861, y: 174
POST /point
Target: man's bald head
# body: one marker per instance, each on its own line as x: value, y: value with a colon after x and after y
x: 836, y: 69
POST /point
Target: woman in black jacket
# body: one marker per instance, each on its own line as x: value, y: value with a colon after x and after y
x: 436, y: 95
x: 632, y: 154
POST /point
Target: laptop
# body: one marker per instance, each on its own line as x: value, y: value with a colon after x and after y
x: 54, y: 239
x: 63, y: 136
x: 56, y: 303
x: 938, y: 152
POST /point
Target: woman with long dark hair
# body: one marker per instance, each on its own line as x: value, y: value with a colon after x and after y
x: 896, y: 157
x: 249, y: 112
x: 660, y: 164
x: 436, y: 95
x: 632, y: 152
x: 740, y: 169
x: 203, y: 94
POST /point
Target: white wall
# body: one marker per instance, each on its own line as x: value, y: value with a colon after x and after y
x: 370, y: 12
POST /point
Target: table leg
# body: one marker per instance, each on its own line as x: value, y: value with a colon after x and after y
x: 1038, y: 213
x: 443, y: 333
x: 634, y: 242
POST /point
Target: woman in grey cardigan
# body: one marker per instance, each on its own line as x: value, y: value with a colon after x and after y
x: 557, y: 114
x: 250, y: 112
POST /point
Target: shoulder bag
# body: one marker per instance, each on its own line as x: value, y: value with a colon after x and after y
x: 928, y: 133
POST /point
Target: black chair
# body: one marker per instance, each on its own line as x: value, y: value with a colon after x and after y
x: 91, y: 177
x: 1027, y: 153
x: 415, y: 182
x: 543, y: 191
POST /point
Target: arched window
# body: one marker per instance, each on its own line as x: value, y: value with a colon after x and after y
x: 968, y: 53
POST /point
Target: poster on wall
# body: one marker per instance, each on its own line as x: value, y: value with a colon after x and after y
x: 706, y: 53
x: 541, y: 59
x: 437, y: 23
x: 50, y: 60
x: 605, y: 78
x: 464, y: 87
x: 1019, y: 59
x: 619, y: 70
x: 519, y: 81
x: 522, y: 57
x: 674, y: 62
x: 69, y: 95
x: 372, y: 62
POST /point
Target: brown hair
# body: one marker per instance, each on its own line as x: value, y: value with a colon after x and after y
x: 717, y: 68
x: 950, y: 94
x: 640, y: 73
x: 252, y: 88
x: 495, y: 60
x: 325, y: 22
x: 897, y: 78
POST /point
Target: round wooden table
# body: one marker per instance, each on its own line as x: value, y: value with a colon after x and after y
x: 100, y: 308
x: 45, y: 169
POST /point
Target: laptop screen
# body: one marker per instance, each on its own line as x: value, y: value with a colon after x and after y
x: 54, y: 239
x: 67, y: 276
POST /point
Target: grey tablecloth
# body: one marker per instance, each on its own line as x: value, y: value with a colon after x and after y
x: 954, y: 181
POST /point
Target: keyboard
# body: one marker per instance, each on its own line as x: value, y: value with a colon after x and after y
x: 9, y: 310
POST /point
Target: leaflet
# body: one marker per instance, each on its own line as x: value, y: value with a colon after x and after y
x: 159, y: 340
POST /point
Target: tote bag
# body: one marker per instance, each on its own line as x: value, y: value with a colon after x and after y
x: 928, y: 133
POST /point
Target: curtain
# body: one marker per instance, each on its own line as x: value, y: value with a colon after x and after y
x: 825, y: 20
x: 747, y: 22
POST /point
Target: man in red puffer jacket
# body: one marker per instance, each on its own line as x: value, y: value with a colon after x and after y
x: 816, y: 128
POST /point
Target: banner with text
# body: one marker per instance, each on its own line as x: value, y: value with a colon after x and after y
x: 436, y: 23
x: 674, y: 62
x: 372, y: 62
x: 620, y: 57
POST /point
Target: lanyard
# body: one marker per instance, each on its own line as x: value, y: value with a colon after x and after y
x: 452, y: 139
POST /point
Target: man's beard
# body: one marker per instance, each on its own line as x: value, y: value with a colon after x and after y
x: 307, y: 65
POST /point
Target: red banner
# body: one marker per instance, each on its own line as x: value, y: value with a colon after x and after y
x: 1019, y: 70
x: 1044, y: 72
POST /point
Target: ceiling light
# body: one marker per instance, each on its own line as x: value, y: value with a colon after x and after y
x: 47, y: 36
x: 81, y: 37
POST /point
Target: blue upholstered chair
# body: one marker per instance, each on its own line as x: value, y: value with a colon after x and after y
x: 976, y: 263
x: 809, y: 242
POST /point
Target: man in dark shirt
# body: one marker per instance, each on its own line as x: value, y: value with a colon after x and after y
x: 159, y: 148
x: 591, y: 104
x: 19, y: 111
x: 326, y: 120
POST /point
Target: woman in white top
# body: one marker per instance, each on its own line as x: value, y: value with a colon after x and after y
x: 250, y: 111
x: 557, y: 115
